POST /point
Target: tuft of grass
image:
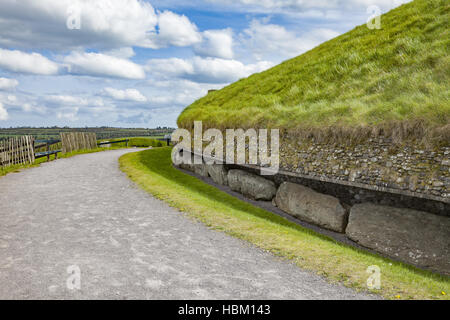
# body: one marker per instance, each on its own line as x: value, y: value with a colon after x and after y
x: 153, y: 171
x: 400, y: 73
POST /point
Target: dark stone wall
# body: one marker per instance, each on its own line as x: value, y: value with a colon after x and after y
x: 377, y: 163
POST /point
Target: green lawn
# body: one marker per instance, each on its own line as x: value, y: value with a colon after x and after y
x: 140, y: 142
x: 153, y: 171
x: 394, y: 78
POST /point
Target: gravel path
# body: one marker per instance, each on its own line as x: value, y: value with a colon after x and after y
x: 83, y: 212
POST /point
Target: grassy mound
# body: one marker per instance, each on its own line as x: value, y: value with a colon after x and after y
x: 153, y: 171
x: 398, y: 75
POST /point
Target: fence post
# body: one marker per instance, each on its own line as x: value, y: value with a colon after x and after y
x: 48, y: 149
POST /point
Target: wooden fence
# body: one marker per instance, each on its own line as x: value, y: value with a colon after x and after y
x: 17, y: 150
x: 73, y: 141
x: 25, y: 149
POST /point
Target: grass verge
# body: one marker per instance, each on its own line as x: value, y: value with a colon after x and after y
x: 140, y: 142
x: 153, y: 171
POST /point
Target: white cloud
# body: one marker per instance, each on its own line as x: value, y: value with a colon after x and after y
x: 78, y: 63
x: 299, y: 6
x: 140, y: 118
x: 274, y: 42
x: 32, y: 108
x: 11, y: 99
x: 126, y: 95
x: 27, y: 107
x: 216, y: 43
x: 123, y: 53
x: 176, y: 92
x: 8, y: 84
x: 70, y: 114
x: 103, y: 24
x: 21, y: 62
x: 66, y: 100
x: 69, y: 107
x: 176, y: 30
x: 205, y: 70
x: 214, y: 70
x: 22, y: 102
x: 171, y: 67
x: 102, y: 65
x: 3, y: 112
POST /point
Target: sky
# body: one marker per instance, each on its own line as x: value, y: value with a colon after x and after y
x: 133, y: 63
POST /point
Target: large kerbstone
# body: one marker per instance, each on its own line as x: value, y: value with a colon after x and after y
x: 251, y: 185
x: 218, y: 173
x: 178, y: 158
x: 200, y: 169
x: 311, y: 206
x: 416, y: 237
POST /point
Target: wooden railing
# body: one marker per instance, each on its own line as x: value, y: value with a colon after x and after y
x: 112, y: 142
x: 48, y: 152
x: 25, y: 149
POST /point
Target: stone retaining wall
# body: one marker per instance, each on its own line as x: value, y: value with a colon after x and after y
x: 377, y: 163
x: 413, y: 236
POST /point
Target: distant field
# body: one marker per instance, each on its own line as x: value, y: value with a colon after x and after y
x: 102, y: 133
x: 140, y: 142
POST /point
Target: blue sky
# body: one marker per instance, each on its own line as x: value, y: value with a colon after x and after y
x: 131, y: 63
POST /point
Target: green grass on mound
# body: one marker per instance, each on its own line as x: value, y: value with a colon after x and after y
x: 153, y: 171
x: 365, y: 77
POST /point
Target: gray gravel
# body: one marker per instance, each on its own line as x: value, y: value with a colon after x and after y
x: 83, y: 211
